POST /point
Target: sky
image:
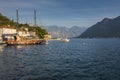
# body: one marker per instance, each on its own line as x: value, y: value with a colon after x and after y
x: 68, y: 13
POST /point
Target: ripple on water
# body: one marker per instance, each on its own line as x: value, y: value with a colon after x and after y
x: 80, y: 59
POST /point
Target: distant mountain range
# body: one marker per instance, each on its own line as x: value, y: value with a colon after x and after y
x: 107, y: 28
x: 61, y: 32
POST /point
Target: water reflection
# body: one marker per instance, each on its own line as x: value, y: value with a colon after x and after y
x: 2, y: 48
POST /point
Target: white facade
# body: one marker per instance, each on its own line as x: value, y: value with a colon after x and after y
x: 23, y: 33
x: 32, y: 33
x: 9, y: 33
x: 6, y: 32
x: 26, y: 33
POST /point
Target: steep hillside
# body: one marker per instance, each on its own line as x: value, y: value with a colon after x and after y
x: 4, y: 21
x: 107, y: 28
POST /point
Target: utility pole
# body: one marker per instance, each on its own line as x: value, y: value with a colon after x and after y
x: 35, y: 18
x: 17, y: 16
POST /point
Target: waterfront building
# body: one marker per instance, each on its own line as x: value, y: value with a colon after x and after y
x: 47, y: 37
x: 6, y: 32
x: 23, y: 33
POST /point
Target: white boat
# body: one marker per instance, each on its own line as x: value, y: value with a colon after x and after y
x: 65, y: 40
x: 45, y: 42
x: 2, y: 43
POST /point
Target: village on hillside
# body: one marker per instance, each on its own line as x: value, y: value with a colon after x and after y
x: 14, y: 36
x: 8, y: 33
x: 17, y: 33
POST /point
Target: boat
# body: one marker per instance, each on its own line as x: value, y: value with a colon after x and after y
x: 19, y: 40
x: 24, y: 42
x: 45, y: 42
x: 2, y: 43
x: 65, y: 40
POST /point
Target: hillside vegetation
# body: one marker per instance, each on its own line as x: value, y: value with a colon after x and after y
x: 4, y: 21
x: 107, y: 28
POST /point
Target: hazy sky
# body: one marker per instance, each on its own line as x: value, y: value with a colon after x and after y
x: 67, y: 13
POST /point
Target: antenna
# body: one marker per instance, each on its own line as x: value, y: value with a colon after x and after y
x: 34, y: 17
x: 17, y: 15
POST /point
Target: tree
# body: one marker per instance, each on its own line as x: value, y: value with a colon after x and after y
x: 39, y: 31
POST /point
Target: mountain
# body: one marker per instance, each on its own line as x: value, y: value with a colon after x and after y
x: 107, y: 28
x: 61, y: 32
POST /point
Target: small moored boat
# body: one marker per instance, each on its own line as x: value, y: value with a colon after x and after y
x: 20, y: 41
x: 24, y: 42
x: 65, y: 40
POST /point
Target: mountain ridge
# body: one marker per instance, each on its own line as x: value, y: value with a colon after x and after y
x: 61, y: 32
x: 107, y: 28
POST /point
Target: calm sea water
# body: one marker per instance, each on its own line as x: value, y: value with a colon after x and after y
x: 80, y: 59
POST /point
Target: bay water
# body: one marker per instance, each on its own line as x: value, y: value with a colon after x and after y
x: 79, y: 59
